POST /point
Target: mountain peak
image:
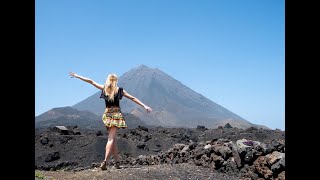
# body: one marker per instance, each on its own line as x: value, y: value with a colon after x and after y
x: 147, y: 68
x: 142, y: 66
x: 139, y: 71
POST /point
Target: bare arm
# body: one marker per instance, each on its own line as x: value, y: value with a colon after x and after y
x: 99, y: 86
x: 134, y: 99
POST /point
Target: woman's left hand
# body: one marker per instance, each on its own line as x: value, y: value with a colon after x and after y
x: 148, y: 109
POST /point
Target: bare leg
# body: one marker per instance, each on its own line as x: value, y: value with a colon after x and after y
x: 115, y: 154
x: 115, y: 150
x: 111, y: 140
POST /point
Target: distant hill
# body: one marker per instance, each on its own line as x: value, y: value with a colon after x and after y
x: 68, y: 116
x: 173, y: 103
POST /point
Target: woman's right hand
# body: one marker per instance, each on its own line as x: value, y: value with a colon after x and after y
x: 72, y: 74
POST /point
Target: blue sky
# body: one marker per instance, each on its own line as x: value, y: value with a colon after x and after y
x: 230, y: 51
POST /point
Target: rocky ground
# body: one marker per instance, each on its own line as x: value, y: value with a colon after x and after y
x: 156, y: 172
x: 200, y: 153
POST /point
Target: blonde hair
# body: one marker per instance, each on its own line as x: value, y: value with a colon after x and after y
x: 110, y: 87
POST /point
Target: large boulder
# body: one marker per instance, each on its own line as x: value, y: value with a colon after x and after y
x: 52, y: 156
x: 262, y: 168
x: 227, y: 126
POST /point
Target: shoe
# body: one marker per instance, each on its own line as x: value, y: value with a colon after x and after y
x: 103, y: 165
x: 117, y: 165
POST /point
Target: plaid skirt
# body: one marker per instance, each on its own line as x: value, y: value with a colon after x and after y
x: 112, y: 116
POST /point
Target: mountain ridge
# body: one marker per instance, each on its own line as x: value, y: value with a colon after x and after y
x: 69, y: 116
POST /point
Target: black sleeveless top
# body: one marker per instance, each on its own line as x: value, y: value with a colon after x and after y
x: 117, y: 98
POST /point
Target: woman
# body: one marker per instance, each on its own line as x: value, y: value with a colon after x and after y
x: 112, y: 116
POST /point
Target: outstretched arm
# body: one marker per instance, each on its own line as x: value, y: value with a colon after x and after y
x: 99, y: 86
x: 134, y: 99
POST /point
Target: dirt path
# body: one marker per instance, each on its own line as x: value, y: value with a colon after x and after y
x: 155, y: 172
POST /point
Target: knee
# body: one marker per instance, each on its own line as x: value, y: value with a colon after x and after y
x: 110, y: 140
